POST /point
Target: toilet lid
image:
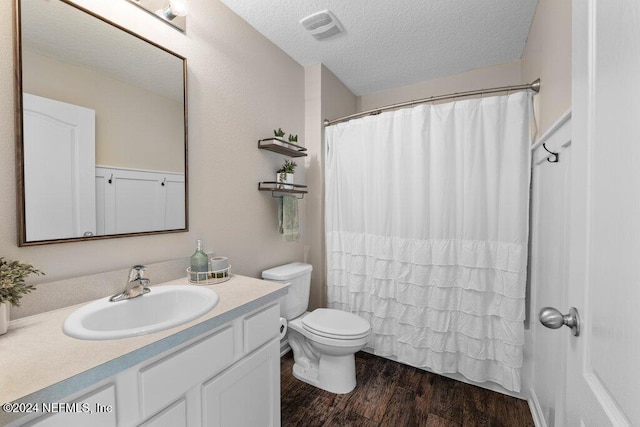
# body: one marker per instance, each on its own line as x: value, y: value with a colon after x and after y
x: 335, y: 324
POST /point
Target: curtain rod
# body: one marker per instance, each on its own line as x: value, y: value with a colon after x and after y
x: 535, y: 86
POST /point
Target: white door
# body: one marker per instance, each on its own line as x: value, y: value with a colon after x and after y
x: 59, y: 162
x: 603, y: 375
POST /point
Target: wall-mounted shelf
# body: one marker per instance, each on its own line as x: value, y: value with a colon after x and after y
x: 281, y: 146
x: 277, y: 189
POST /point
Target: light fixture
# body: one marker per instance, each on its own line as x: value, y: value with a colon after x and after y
x: 174, y: 13
x: 174, y: 9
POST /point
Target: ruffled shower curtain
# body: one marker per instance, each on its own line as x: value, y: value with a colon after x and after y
x: 426, y: 232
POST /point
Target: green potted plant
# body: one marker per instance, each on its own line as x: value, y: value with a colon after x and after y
x: 279, y: 133
x: 13, y: 287
x: 285, y: 174
x: 293, y: 138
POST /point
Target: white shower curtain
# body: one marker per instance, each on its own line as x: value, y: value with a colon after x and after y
x: 426, y: 232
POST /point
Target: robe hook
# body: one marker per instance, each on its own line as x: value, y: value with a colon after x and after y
x: 556, y: 156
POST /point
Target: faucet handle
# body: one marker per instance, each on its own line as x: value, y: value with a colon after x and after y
x: 137, y: 272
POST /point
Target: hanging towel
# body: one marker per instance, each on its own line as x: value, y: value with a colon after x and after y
x: 288, y: 218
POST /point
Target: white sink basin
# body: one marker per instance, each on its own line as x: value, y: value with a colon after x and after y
x: 163, y: 308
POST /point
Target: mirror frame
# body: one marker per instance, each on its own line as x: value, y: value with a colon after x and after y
x: 19, y: 148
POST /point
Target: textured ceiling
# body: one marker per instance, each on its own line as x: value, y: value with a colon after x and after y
x: 391, y: 43
x: 61, y: 31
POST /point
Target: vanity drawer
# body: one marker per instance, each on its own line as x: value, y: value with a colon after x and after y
x: 261, y: 327
x: 169, y: 378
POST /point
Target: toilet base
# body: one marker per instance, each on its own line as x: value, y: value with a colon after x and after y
x: 312, y: 364
x: 335, y: 374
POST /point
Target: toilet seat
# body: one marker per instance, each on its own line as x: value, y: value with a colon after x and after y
x: 336, y: 324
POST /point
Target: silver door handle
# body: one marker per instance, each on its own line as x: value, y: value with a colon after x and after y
x: 552, y: 318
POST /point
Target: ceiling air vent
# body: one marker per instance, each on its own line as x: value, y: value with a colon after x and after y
x: 322, y: 24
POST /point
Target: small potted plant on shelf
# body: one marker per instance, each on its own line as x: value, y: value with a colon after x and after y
x: 279, y: 134
x: 13, y: 287
x: 285, y: 174
x: 293, y: 138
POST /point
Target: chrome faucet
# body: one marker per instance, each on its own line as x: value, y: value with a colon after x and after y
x: 136, y: 285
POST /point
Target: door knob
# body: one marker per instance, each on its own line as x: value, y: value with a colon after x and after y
x: 552, y: 318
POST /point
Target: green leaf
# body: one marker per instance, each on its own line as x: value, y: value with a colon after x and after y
x: 12, y: 280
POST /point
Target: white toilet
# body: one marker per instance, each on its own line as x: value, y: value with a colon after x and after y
x: 323, y: 341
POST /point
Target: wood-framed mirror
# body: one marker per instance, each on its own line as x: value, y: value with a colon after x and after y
x: 101, y: 118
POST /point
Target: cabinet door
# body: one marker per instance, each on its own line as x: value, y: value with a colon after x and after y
x: 174, y: 416
x: 248, y: 394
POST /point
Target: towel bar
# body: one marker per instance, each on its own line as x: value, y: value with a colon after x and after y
x: 277, y: 190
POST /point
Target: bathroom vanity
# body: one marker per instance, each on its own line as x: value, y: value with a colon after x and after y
x: 221, y: 369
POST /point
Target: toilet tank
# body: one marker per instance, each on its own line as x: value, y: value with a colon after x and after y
x: 298, y: 274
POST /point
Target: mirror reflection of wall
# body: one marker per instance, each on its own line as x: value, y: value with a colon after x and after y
x: 154, y: 139
x: 136, y: 91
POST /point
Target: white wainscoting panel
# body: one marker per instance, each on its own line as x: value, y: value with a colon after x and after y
x: 548, y: 270
x: 133, y: 200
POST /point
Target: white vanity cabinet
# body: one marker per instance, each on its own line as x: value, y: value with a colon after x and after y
x: 226, y: 377
x: 248, y: 394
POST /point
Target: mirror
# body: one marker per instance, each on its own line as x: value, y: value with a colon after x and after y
x: 101, y: 117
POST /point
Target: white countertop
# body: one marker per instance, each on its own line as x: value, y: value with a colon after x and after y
x: 39, y: 363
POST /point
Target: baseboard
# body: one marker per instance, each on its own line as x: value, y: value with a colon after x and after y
x: 536, y: 411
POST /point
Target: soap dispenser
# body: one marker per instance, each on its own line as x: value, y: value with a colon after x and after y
x: 199, y: 264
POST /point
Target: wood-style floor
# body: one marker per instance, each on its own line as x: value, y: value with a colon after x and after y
x: 393, y: 394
